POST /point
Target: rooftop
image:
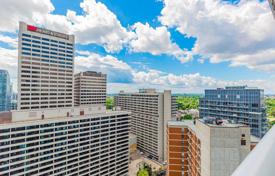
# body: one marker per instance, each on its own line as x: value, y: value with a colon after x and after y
x: 54, y: 113
x: 218, y: 122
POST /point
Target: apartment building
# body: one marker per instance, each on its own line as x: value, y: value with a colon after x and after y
x: 64, y: 141
x: 5, y: 91
x: 206, y: 147
x: 48, y: 136
x: 150, y: 111
x: 90, y: 88
x: 242, y: 104
x: 46, y: 64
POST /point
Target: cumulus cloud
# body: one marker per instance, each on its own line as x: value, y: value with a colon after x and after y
x: 156, y: 41
x: 129, y: 79
x: 117, y: 70
x: 238, y: 33
x: 97, y: 24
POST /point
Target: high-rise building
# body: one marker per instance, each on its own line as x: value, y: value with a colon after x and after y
x: 272, y: 5
x: 205, y: 147
x: 89, y: 88
x: 49, y: 137
x: 150, y: 111
x: 5, y: 91
x: 242, y: 104
x: 64, y: 141
x: 46, y: 64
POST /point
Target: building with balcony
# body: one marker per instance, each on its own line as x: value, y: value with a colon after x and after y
x: 150, y: 111
x: 5, y: 91
x: 90, y: 88
x: 209, y: 147
x: 241, y: 104
x: 68, y: 141
x: 46, y: 65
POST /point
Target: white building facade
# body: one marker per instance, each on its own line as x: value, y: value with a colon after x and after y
x: 63, y: 142
x: 150, y: 111
x: 45, y: 68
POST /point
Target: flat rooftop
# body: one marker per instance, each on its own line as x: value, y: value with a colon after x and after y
x: 54, y: 113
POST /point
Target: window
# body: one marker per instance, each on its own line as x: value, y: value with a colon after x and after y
x: 243, y: 142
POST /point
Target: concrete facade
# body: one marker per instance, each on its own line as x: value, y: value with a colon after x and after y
x: 90, y: 88
x: 206, y: 149
x: 45, y: 68
x: 93, y: 143
x: 150, y: 112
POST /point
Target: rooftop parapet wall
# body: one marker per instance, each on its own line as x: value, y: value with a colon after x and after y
x: 26, y: 115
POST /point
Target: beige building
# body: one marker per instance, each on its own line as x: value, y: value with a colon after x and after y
x: 89, y: 88
x: 206, y: 147
x: 150, y: 112
x: 45, y: 68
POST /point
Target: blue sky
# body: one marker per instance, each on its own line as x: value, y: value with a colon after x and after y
x: 128, y: 13
x: 184, y: 46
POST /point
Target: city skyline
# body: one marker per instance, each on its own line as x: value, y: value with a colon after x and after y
x: 151, y: 47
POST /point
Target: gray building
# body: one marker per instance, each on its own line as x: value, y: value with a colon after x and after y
x: 239, y: 103
x: 90, y: 88
x: 150, y: 111
x: 5, y: 91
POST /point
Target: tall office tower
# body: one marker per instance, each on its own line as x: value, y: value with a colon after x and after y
x: 5, y: 91
x: 150, y: 112
x: 89, y: 88
x: 240, y: 103
x: 272, y: 5
x: 206, y: 147
x: 64, y: 141
x: 45, y: 74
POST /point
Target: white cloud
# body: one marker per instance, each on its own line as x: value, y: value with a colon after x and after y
x: 156, y: 41
x: 237, y: 33
x: 12, y: 11
x: 12, y: 42
x: 97, y: 24
x: 117, y: 70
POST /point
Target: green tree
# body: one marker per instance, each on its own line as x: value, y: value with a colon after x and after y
x: 187, y: 102
x: 186, y: 117
x: 143, y: 172
x: 110, y: 102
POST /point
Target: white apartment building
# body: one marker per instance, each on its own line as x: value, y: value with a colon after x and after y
x: 209, y: 147
x: 150, y: 111
x: 79, y: 141
x: 45, y: 68
x: 90, y: 88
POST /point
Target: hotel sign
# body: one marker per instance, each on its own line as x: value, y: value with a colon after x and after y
x: 47, y: 32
